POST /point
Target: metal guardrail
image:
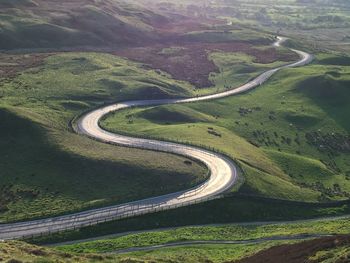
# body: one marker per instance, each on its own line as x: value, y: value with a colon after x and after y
x: 111, y: 214
x: 94, y: 217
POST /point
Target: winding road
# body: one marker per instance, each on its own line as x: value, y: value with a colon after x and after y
x: 223, y: 171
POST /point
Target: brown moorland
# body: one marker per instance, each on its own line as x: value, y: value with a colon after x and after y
x: 137, y: 33
x: 300, y: 252
x: 11, y: 65
x: 190, y: 62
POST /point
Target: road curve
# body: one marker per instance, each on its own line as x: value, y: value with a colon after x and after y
x: 223, y: 171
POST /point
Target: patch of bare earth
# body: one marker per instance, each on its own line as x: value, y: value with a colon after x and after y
x: 300, y: 252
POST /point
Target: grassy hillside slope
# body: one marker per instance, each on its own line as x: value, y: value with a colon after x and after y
x: 57, y: 24
x: 327, y: 249
x: 16, y: 252
x: 319, y: 23
x: 225, y: 232
x: 291, y: 136
x: 46, y: 169
x: 56, y: 87
x: 222, y: 252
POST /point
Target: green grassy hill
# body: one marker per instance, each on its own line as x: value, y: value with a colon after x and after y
x: 224, y: 232
x: 56, y: 87
x: 46, y: 169
x: 214, y: 252
x: 326, y: 249
x: 291, y: 136
x: 51, y: 24
x: 18, y: 252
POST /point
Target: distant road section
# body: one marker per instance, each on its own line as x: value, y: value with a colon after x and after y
x: 223, y: 173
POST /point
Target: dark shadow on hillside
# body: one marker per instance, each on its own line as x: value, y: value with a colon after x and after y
x: 171, y: 115
x: 331, y: 95
x: 336, y: 61
x: 32, y: 167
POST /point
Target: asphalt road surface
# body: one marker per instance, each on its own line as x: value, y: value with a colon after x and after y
x: 223, y: 173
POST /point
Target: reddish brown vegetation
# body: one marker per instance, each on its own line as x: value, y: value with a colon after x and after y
x: 300, y: 252
x: 190, y: 62
x: 177, y: 25
x: 183, y: 24
x: 12, y: 64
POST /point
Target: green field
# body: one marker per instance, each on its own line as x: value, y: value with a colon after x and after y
x: 226, y: 232
x: 93, y: 251
x: 46, y: 169
x: 236, y: 209
x: 22, y: 252
x: 16, y: 251
x: 189, y: 253
x: 332, y: 255
x: 321, y: 24
x: 288, y: 136
x: 201, y: 253
x: 44, y: 103
x: 238, y: 68
x: 31, y: 24
x: 45, y: 99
